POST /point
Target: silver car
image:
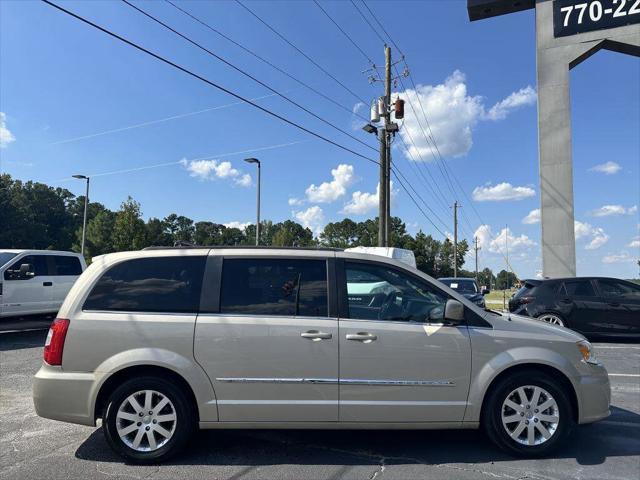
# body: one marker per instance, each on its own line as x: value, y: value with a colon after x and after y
x: 157, y: 343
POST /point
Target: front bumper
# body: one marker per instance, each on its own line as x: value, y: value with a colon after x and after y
x: 594, y: 394
x: 64, y: 396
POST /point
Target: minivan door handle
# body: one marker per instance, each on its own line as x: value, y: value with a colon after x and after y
x: 47, y: 284
x: 364, y: 337
x: 315, y: 335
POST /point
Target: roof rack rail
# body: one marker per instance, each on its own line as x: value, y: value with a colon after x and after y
x: 243, y: 247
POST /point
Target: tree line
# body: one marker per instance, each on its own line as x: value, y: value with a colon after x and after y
x: 35, y: 215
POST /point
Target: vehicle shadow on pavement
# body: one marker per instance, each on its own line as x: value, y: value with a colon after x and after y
x: 589, y: 445
x: 20, y: 340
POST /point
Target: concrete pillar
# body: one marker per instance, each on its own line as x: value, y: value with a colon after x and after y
x: 555, y: 57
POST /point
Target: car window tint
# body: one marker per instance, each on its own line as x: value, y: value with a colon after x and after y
x: 579, y: 288
x: 159, y: 284
x: 611, y: 288
x: 38, y: 267
x: 5, y: 257
x: 288, y: 287
x: 377, y: 292
x: 66, y: 265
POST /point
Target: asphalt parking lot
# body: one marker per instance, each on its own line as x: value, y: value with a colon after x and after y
x: 35, y: 448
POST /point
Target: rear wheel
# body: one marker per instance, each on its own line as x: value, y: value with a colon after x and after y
x: 147, y: 420
x: 528, y: 414
x: 552, y: 318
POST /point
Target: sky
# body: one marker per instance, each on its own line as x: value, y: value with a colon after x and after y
x: 76, y: 101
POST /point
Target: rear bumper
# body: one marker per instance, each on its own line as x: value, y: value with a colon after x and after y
x: 594, y: 395
x: 64, y: 396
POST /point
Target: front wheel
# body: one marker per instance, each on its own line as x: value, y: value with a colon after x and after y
x: 528, y: 414
x: 147, y: 420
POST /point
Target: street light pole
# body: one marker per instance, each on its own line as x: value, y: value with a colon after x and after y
x: 257, y: 162
x: 86, y: 203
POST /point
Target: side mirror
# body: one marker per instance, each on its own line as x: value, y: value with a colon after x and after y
x: 485, y: 291
x: 26, y: 270
x: 454, y: 311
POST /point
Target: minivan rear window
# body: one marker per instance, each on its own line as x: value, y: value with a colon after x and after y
x: 156, y: 284
x: 288, y: 287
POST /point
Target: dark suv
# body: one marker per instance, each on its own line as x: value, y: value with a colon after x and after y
x: 589, y: 305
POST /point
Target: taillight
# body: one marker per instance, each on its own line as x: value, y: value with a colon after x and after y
x: 54, y: 345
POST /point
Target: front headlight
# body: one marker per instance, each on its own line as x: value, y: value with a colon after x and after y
x: 588, y: 354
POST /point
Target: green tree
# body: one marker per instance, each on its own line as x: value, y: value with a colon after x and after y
x: 129, y: 228
x: 505, y: 280
x: 486, y: 278
x: 99, y: 234
x: 156, y: 233
x: 291, y: 234
x: 179, y: 228
x: 341, y: 234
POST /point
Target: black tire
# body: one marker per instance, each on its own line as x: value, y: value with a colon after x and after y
x: 561, y: 317
x: 185, y: 423
x: 492, y: 414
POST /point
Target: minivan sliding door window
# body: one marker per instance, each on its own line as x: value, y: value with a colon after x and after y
x: 264, y: 286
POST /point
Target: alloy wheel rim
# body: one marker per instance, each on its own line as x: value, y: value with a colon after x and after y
x: 146, y: 420
x: 552, y: 319
x: 530, y: 415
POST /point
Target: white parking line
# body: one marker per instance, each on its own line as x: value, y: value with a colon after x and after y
x: 601, y: 347
x: 624, y: 375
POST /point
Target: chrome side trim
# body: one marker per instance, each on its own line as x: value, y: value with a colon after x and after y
x: 402, y: 383
x: 330, y: 381
x: 346, y: 381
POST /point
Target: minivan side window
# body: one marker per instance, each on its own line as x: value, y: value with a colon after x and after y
x: 156, y: 284
x: 266, y: 286
x: 38, y: 267
x: 66, y: 265
x: 378, y: 292
x: 579, y: 288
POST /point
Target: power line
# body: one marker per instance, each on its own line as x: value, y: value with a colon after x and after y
x: 264, y: 60
x: 369, y: 23
x: 207, y: 81
x: 246, y: 74
x: 223, y: 89
x: 425, y: 182
x: 344, y: 33
x: 292, y: 45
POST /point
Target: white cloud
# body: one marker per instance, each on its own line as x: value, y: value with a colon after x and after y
x: 635, y: 243
x: 312, y: 217
x: 236, y: 224
x: 532, y: 217
x: 362, y: 203
x: 501, y: 192
x: 610, y: 210
x: 356, y: 121
x: 514, y: 243
x: 328, y: 192
x: 523, y: 97
x: 608, y: 168
x: 6, y: 137
x: 622, y: 257
x: 595, y: 236
x: 496, y: 244
x: 452, y: 114
x: 210, y: 169
x: 295, y: 202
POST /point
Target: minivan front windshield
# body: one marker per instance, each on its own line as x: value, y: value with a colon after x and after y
x: 5, y: 257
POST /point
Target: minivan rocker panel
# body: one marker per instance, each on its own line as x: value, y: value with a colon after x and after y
x: 340, y: 340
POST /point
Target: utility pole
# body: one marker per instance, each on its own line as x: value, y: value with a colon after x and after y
x: 476, y: 248
x: 381, y: 110
x: 455, y: 238
x: 387, y: 130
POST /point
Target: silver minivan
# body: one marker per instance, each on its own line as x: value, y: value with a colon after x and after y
x: 157, y: 343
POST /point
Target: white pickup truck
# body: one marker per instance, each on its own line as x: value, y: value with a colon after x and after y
x: 36, y: 281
